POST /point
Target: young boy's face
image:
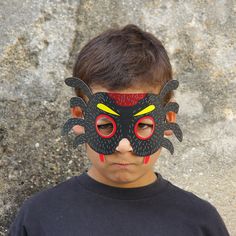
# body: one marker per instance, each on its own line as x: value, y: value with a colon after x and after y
x: 112, y: 170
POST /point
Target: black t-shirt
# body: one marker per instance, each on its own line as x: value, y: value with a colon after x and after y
x: 81, y: 206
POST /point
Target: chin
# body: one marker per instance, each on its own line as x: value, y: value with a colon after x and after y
x: 123, y: 178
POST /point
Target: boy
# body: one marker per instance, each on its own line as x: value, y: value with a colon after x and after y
x: 125, y: 78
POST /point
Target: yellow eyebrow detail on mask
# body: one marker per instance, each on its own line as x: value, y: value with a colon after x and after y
x: 145, y: 110
x: 107, y: 109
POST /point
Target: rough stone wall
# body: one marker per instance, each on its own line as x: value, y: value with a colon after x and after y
x: 38, y: 43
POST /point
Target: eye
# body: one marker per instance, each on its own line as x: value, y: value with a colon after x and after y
x: 144, y: 127
x: 105, y: 126
x: 108, y: 126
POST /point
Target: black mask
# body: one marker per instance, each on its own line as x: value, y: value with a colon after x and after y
x: 110, y: 117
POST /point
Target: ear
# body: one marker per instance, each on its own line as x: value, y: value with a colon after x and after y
x: 76, y: 112
x: 170, y: 118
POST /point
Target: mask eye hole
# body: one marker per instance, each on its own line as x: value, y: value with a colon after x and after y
x: 105, y: 126
x: 144, y: 127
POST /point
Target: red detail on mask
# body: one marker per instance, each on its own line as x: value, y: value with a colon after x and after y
x: 126, y: 99
x: 102, y: 158
x: 146, y: 159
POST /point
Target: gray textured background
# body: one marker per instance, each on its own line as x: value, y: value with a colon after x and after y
x: 38, y: 43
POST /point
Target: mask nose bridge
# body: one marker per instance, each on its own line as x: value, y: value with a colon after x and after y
x: 125, y: 123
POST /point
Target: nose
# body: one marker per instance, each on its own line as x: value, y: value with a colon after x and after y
x: 124, y: 146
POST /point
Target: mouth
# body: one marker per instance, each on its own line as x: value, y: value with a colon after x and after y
x: 123, y: 166
x: 120, y: 163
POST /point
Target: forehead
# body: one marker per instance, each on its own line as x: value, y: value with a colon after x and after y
x: 131, y: 90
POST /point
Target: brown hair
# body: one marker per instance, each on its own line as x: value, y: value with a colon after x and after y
x: 120, y: 58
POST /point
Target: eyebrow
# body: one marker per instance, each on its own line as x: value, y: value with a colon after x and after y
x: 145, y: 110
x: 107, y: 109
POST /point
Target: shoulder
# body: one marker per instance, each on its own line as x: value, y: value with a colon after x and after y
x: 43, y: 205
x: 189, y: 199
x: 196, y: 208
x: 52, y: 195
x: 187, y: 202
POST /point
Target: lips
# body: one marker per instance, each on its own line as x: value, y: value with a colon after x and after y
x: 123, y: 163
x: 123, y: 166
